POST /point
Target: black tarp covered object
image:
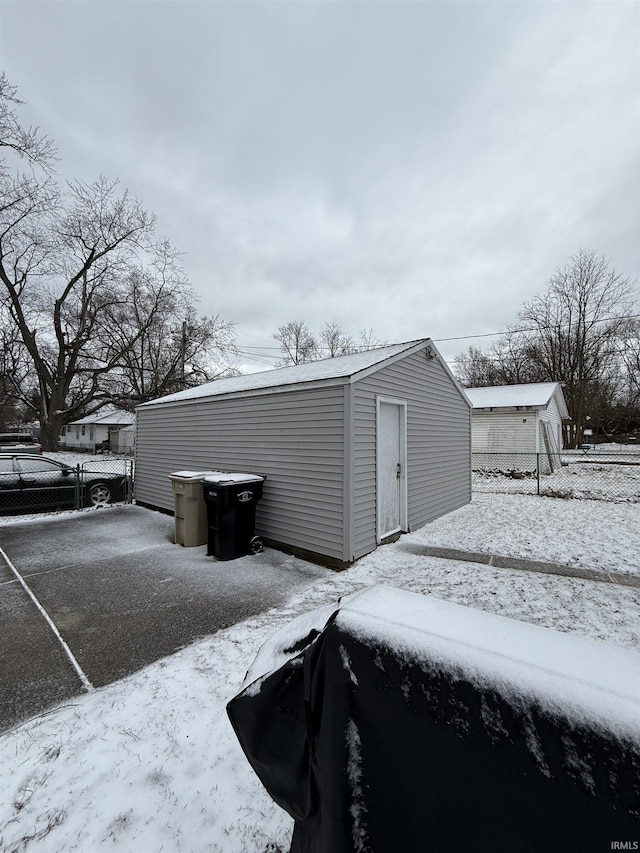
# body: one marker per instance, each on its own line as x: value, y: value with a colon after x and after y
x: 398, y: 722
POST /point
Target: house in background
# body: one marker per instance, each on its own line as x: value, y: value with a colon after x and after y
x: 124, y: 440
x: 91, y: 433
x: 356, y: 449
x: 519, y: 420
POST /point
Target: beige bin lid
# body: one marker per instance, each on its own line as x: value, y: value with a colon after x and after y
x: 188, y: 475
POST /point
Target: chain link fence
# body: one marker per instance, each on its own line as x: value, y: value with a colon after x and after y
x: 104, y: 481
x: 32, y: 484
x: 591, y: 473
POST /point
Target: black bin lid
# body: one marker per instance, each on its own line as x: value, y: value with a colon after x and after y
x: 227, y: 479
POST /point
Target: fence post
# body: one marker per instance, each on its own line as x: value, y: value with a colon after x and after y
x: 538, y: 473
x: 76, y: 488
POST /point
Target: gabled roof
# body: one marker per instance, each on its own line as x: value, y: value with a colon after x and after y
x: 536, y: 395
x: 337, y: 370
x: 106, y: 417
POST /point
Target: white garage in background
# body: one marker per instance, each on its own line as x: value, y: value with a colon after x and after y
x: 518, y: 419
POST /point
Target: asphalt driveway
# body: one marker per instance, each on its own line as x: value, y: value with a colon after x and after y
x: 111, y: 586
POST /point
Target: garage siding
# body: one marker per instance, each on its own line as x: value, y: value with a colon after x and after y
x: 317, y: 446
x: 504, y: 432
x: 438, y: 444
x: 296, y: 438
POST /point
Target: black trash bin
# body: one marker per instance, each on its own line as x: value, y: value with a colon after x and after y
x: 231, y: 500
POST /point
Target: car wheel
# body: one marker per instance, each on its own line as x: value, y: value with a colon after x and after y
x: 99, y: 494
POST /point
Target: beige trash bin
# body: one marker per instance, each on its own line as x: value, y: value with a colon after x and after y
x: 190, y: 510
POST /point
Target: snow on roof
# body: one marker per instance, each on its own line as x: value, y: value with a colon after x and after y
x: 329, y: 368
x: 110, y: 417
x: 507, y: 396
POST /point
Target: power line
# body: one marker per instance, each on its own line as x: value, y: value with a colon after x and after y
x: 263, y: 359
x: 532, y: 329
x: 248, y: 346
x: 467, y: 337
x: 262, y: 353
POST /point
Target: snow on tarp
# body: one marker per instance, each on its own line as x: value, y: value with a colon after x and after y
x: 588, y: 679
x: 409, y: 723
x: 295, y: 635
x: 566, y: 671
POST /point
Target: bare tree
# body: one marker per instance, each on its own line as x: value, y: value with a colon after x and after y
x: 506, y: 362
x: 475, y: 369
x: 15, y: 372
x: 334, y: 341
x: 574, y: 330
x: 163, y: 347
x: 85, y: 283
x: 631, y: 361
x: 368, y: 340
x: 28, y: 143
x: 297, y: 344
x: 578, y: 333
x: 63, y: 270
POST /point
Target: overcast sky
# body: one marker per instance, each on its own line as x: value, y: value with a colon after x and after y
x: 415, y: 168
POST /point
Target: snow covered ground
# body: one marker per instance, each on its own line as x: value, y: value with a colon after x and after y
x: 150, y: 763
x: 608, y: 472
x: 589, y: 534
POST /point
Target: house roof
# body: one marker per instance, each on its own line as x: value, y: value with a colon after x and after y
x: 110, y: 417
x: 329, y: 370
x: 536, y: 395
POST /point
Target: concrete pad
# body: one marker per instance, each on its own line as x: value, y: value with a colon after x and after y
x: 120, y: 614
x: 6, y: 575
x: 54, y: 541
x: 122, y: 595
x: 35, y: 672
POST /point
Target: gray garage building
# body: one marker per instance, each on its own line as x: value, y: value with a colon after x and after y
x: 356, y: 449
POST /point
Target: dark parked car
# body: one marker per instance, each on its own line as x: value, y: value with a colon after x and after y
x: 36, y: 483
x: 18, y: 442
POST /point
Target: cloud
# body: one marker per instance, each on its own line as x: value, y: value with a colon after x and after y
x: 415, y: 168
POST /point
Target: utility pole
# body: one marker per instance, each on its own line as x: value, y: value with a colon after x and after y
x: 183, y: 351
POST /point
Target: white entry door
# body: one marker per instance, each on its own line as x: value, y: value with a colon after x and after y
x: 391, y: 457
